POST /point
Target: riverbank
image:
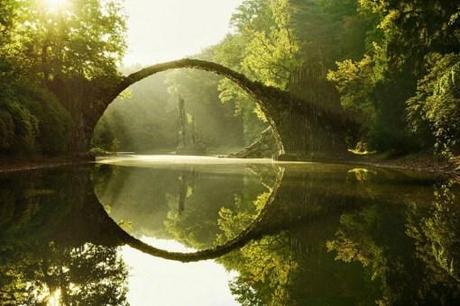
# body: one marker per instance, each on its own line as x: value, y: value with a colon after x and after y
x: 8, y: 165
x: 422, y: 162
x: 413, y: 162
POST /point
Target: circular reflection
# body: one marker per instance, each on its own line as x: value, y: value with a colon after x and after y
x: 206, y: 204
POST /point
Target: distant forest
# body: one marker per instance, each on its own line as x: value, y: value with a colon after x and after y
x: 146, y: 118
x: 394, y: 66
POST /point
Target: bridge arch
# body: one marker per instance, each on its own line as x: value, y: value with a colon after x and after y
x: 303, y: 129
x: 254, y: 89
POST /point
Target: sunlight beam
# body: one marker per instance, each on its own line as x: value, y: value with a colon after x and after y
x: 55, y: 5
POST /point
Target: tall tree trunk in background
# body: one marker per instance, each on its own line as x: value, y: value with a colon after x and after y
x: 182, y: 192
x: 182, y: 125
x: 193, y: 132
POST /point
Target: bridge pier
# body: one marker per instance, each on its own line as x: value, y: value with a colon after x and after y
x: 305, y: 139
x: 81, y: 136
x: 306, y: 131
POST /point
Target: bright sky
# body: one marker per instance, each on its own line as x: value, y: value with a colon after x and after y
x: 161, y: 30
x: 156, y: 281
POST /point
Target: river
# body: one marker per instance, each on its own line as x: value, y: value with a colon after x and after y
x: 274, y: 233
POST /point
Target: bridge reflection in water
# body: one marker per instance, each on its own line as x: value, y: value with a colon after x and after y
x: 292, y: 233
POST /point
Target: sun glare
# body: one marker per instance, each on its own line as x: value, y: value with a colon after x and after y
x: 55, y: 5
x: 54, y: 298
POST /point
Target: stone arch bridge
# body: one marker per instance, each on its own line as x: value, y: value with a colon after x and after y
x: 302, y: 129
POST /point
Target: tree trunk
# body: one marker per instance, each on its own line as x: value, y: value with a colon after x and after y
x: 182, y: 125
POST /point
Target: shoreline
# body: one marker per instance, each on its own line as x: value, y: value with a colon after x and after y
x: 20, y: 165
x: 411, y: 162
x: 418, y: 163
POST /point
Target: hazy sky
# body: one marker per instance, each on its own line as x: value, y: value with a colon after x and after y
x: 156, y: 281
x: 160, y: 30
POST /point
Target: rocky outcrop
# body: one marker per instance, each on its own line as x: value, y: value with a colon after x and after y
x: 263, y: 146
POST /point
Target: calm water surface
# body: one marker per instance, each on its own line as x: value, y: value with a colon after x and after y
x: 292, y: 234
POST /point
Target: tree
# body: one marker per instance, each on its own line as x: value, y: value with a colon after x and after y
x: 408, y: 32
x: 87, y: 275
x: 435, y: 108
x: 84, y: 39
x: 54, y: 63
x: 264, y: 48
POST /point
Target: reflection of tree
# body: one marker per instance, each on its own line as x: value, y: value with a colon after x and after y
x: 288, y: 263
x: 437, y: 238
x: 198, y: 225
x: 264, y: 265
x: 355, y: 241
x: 46, y: 220
x: 283, y: 260
x: 186, y: 185
x: 424, y: 274
x: 137, y: 197
x: 194, y: 226
x: 87, y: 275
x: 232, y: 221
x: 265, y: 269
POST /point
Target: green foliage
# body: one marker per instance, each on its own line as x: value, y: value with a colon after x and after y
x: 230, y: 52
x: 268, y: 47
x: 142, y: 121
x: 147, y: 120
x: 87, y: 275
x: 396, y: 73
x: 254, y: 121
x: 264, y: 48
x: 19, y: 127
x: 212, y: 123
x: 38, y: 261
x: 378, y: 88
x: 265, y: 266
x: 83, y: 38
x: 271, y: 50
x: 32, y: 120
x: 436, y: 235
x: 44, y: 57
x: 354, y: 83
x: 351, y: 245
x: 436, y: 106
